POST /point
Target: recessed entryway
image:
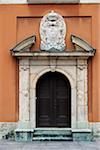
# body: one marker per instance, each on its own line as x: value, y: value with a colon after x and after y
x: 53, y: 105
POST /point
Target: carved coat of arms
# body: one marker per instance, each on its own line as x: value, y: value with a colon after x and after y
x: 52, y: 32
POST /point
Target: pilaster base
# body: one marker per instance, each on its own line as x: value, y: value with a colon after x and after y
x: 24, y: 135
x: 82, y: 135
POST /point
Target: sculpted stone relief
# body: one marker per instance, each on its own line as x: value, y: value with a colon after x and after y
x: 52, y: 32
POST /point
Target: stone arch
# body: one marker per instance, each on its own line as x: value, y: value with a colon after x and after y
x: 66, y: 74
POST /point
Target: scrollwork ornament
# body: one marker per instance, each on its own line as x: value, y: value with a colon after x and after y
x: 52, y: 32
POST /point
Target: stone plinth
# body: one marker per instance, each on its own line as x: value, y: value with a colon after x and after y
x: 23, y: 135
x: 82, y: 135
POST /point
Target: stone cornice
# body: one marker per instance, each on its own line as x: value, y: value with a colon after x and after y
x: 60, y: 55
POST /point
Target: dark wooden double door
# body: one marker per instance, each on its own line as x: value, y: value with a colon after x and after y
x: 53, y: 105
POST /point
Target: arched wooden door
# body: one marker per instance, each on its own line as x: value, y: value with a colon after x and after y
x: 53, y: 105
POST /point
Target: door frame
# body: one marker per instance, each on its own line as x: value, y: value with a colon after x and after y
x: 73, y: 96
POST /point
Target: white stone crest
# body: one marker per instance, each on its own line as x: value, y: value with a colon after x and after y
x: 52, y: 32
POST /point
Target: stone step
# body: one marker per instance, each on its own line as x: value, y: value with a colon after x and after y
x: 53, y: 129
x: 52, y: 132
x: 51, y: 135
x: 42, y: 134
x: 55, y: 134
x: 59, y: 138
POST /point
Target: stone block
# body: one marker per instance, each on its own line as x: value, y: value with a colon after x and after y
x: 23, y: 135
x: 82, y: 135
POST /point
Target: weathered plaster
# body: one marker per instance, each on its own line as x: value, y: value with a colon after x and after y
x: 95, y: 127
x: 6, y: 127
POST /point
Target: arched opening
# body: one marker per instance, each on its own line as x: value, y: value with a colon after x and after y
x: 53, y: 105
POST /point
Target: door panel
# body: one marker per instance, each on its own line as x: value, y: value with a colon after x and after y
x: 53, y: 107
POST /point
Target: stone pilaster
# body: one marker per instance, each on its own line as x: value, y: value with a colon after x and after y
x: 82, y: 95
x: 24, y: 96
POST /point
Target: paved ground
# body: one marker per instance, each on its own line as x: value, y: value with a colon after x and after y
x: 11, y: 145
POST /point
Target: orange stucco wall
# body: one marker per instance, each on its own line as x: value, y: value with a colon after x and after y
x: 17, y: 22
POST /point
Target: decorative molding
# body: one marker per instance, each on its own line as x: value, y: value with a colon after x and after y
x: 25, y: 45
x: 81, y: 45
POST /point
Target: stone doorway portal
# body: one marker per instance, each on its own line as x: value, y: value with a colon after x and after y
x: 69, y: 67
